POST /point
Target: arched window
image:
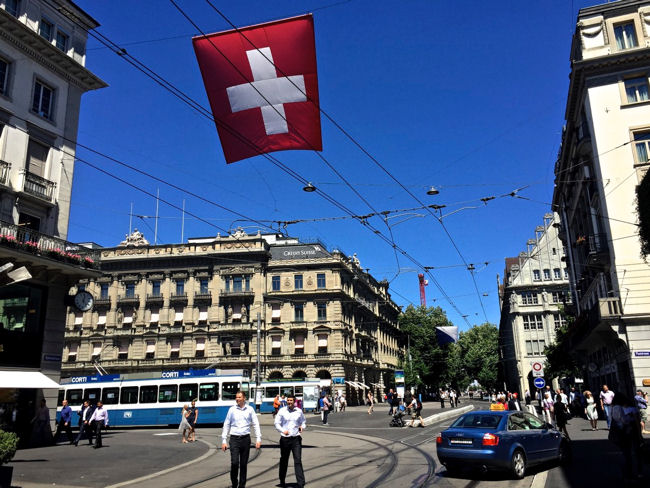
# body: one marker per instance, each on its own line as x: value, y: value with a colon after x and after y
x: 299, y: 375
x: 276, y: 375
x: 323, y: 374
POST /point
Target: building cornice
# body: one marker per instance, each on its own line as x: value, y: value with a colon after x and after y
x: 44, y: 53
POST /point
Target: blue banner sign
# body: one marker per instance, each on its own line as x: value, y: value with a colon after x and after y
x: 642, y: 353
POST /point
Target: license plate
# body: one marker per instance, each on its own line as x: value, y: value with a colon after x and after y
x: 464, y: 442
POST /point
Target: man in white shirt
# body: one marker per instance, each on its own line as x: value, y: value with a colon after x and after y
x: 238, y: 424
x: 290, y: 422
x: 100, y: 417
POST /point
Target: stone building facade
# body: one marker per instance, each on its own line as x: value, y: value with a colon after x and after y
x: 533, y: 295
x: 198, y: 305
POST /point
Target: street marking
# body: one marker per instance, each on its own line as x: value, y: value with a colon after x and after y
x: 539, y: 480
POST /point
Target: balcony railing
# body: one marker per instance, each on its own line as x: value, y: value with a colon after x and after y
x: 203, y: 297
x: 178, y: 297
x: 4, y: 172
x: 39, y: 187
x: 129, y: 298
x: 154, y: 297
x: 24, y: 239
x: 236, y: 293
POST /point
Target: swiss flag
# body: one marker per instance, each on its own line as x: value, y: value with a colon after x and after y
x: 262, y: 85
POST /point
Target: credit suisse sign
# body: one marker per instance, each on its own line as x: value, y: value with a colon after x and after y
x: 311, y: 251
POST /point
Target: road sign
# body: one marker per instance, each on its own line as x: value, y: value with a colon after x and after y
x: 538, y: 368
x: 539, y: 383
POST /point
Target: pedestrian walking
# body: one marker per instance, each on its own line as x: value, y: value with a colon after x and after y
x: 527, y: 398
x: 548, y: 407
x: 416, y: 412
x: 239, y: 420
x: 343, y: 403
x: 606, y: 399
x: 65, y: 421
x: 276, y: 404
x: 100, y: 417
x: 452, y: 398
x: 641, y: 399
x: 325, y: 408
x: 389, y: 399
x: 192, y: 419
x: 84, y: 423
x: 590, y: 410
x: 184, y: 427
x: 625, y: 432
x: 441, y: 396
x: 561, y: 415
x: 370, y: 402
x: 41, y: 432
x: 290, y: 423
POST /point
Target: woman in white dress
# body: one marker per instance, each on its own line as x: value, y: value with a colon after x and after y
x: 185, y: 428
x: 590, y: 411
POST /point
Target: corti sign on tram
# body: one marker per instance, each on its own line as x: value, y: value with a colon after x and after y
x: 538, y: 369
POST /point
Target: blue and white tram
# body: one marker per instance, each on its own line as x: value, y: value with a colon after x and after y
x: 307, y: 392
x: 157, y: 400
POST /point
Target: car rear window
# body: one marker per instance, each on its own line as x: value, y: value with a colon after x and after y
x: 478, y: 421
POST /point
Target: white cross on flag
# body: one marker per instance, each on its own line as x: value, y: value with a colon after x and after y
x: 262, y: 85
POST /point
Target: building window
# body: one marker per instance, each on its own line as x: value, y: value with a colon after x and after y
x: 237, y: 283
x: 123, y: 352
x: 62, y: 41
x: 150, y: 350
x: 547, y: 274
x: 322, y: 311
x: 43, y: 100
x: 155, y: 316
x: 155, y: 288
x: 37, y: 154
x: 557, y: 297
x: 103, y: 291
x: 556, y: 274
x: 299, y: 341
x: 247, y: 283
x: 45, y: 29
x: 641, y: 147
x: 275, y: 283
x: 4, y: 77
x: 529, y: 298
x: 72, y: 352
x: 227, y: 279
x: 297, y: 282
x: 566, y: 274
x: 180, y: 287
x: 625, y: 36
x: 175, y: 349
x: 320, y: 280
x: 200, y: 348
x: 97, y: 351
x: 276, y: 312
x: 276, y: 345
x: 536, y: 275
x: 203, y: 286
x: 130, y: 290
x: 11, y: 6
x: 298, y: 311
x: 636, y: 89
x: 532, y: 322
x: 322, y: 343
x: 535, y: 348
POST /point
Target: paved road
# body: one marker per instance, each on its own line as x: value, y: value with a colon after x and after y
x: 355, y: 450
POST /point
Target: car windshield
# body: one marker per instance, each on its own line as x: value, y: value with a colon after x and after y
x: 477, y: 421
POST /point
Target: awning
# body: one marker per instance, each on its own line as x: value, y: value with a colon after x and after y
x: 25, y: 379
x: 355, y: 384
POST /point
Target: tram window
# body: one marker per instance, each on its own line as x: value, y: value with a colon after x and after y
x: 59, y: 401
x: 209, y: 392
x: 93, y: 395
x: 110, y: 396
x: 168, y: 393
x: 74, y: 397
x: 271, y: 391
x: 148, y: 394
x: 287, y: 391
x: 187, y: 393
x: 245, y: 387
x: 298, y: 390
x: 129, y: 394
x: 229, y: 390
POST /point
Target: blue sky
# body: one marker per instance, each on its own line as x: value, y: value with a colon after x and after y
x: 468, y: 97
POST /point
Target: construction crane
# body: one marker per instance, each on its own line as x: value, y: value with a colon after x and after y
x: 423, y: 283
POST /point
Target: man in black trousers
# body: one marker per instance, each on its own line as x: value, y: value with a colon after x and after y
x: 239, y: 420
x: 84, y: 423
x: 290, y: 422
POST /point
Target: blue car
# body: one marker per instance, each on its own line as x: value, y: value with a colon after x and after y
x: 509, y: 440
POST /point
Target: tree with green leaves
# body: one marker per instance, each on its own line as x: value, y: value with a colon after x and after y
x: 643, y: 210
x: 425, y: 363
x: 474, y: 357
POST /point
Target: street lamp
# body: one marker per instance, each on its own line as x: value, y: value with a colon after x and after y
x: 9, y: 277
x: 432, y: 191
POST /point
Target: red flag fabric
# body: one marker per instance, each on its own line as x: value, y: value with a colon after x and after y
x: 262, y: 86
